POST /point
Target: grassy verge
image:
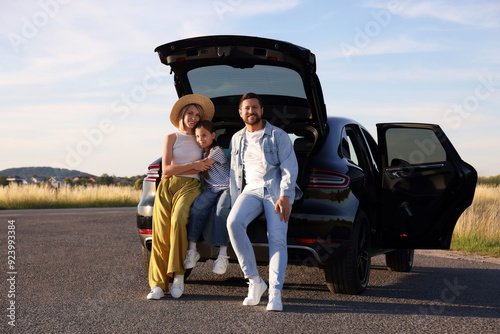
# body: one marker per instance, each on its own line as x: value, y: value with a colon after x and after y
x: 43, y: 197
x: 472, y: 244
x: 478, y: 229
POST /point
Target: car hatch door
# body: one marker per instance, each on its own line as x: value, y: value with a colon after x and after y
x: 225, y: 67
x: 425, y: 186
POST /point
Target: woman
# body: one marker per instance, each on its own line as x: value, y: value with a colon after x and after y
x: 179, y: 186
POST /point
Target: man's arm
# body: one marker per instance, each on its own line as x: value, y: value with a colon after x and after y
x: 288, y: 164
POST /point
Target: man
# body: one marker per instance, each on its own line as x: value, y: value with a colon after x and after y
x: 263, y: 174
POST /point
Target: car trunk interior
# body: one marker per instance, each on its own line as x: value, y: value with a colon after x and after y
x: 300, y: 128
x: 290, y: 114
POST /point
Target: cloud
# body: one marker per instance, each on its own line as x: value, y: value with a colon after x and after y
x: 416, y: 73
x: 81, y: 39
x: 253, y: 8
x: 381, y: 47
x: 484, y: 13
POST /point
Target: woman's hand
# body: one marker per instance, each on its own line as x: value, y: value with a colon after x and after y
x: 203, y: 165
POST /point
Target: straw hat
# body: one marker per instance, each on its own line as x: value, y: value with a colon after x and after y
x: 203, y: 101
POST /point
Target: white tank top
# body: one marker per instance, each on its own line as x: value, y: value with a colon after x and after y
x: 185, y: 150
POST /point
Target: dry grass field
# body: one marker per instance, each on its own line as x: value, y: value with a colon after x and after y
x: 477, y: 231
x: 44, y: 197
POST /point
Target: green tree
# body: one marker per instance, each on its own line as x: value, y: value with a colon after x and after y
x: 105, y: 179
x: 138, y: 184
x: 3, y: 181
x: 82, y: 182
x: 130, y: 181
x: 489, y: 180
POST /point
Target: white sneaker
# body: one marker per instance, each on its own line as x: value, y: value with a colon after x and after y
x: 221, y: 263
x: 177, y: 288
x: 156, y: 293
x: 255, y: 291
x: 274, y: 301
x: 192, y: 257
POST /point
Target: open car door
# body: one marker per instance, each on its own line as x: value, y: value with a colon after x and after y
x: 425, y: 186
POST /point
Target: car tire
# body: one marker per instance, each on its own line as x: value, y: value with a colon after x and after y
x: 146, y: 256
x: 350, y: 274
x: 400, y: 260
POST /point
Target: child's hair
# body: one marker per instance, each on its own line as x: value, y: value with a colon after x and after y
x: 209, y: 126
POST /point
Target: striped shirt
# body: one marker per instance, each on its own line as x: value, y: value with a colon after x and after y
x: 217, y: 177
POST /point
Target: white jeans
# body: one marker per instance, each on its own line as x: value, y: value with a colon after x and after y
x: 248, y: 206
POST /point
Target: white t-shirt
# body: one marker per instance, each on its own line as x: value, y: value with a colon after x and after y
x: 253, y: 158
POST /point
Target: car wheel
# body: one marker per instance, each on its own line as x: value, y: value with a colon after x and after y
x: 146, y: 256
x: 400, y: 260
x: 350, y: 274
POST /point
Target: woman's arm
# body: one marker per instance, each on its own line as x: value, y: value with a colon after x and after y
x: 189, y: 168
x: 205, y: 165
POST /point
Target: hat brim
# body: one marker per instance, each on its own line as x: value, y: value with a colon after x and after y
x: 203, y: 101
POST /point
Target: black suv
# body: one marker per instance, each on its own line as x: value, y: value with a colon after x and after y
x: 360, y: 198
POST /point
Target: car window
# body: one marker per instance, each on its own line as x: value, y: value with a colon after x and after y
x: 224, y: 80
x: 413, y: 146
x: 347, y: 147
x: 373, y: 151
x: 354, y: 157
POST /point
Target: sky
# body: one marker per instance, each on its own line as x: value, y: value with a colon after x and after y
x: 81, y: 87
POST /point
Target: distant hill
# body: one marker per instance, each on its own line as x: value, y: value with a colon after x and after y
x: 27, y: 172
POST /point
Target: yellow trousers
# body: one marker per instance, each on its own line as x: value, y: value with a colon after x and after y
x: 173, y: 200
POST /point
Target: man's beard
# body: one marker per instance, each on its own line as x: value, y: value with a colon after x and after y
x: 255, y: 121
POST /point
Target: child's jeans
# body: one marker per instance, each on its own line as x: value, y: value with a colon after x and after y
x: 202, y: 207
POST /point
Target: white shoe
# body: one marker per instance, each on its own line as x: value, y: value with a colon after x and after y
x: 274, y: 303
x: 255, y: 291
x: 177, y: 288
x: 192, y: 257
x: 156, y: 293
x: 221, y: 263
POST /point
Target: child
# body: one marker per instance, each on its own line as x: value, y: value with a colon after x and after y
x: 216, y: 195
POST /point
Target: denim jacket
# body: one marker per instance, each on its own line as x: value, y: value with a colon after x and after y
x: 279, y: 161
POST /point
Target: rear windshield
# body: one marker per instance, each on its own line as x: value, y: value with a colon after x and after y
x: 224, y: 80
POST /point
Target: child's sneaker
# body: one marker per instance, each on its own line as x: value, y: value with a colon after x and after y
x: 192, y: 257
x: 221, y: 263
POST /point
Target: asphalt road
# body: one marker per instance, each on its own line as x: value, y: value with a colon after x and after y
x: 80, y: 271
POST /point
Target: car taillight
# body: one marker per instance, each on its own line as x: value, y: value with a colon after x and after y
x: 145, y: 231
x: 327, y: 179
x: 153, y: 172
x: 318, y: 241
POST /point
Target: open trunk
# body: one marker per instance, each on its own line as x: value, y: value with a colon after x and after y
x: 224, y: 68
